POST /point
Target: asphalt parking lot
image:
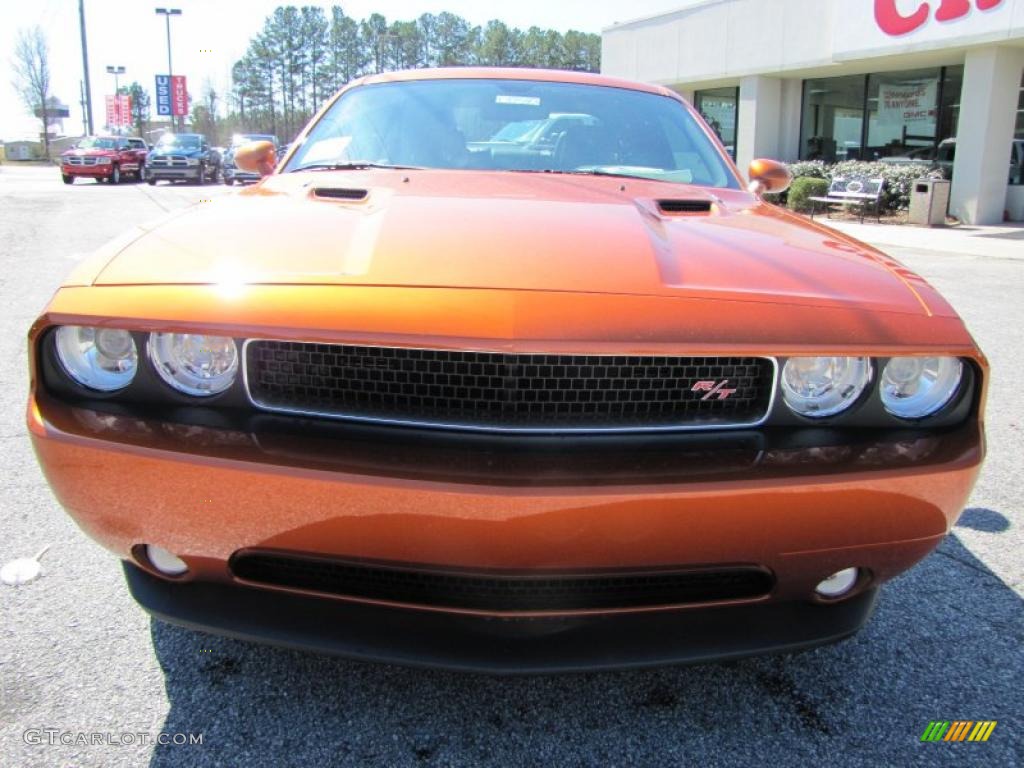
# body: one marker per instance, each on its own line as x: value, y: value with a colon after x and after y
x: 77, y: 655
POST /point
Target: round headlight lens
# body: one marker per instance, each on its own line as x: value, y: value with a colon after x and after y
x: 915, y: 387
x: 103, y: 359
x: 823, y: 386
x: 194, y: 363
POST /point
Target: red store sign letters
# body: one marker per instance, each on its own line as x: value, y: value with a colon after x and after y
x: 894, y: 23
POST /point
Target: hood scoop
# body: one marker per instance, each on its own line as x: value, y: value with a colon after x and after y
x: 339, y: 193
x: 684, y: 206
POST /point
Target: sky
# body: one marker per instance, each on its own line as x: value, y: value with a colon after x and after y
x: 211, y: 35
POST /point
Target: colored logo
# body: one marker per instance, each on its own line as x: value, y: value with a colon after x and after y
x: 958, y: 730
x: 163, y: 95
x: 171, y: 95
x: 713, y: 389
x: 894, y: 23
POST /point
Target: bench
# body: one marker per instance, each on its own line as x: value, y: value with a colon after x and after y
x: 865, y: 194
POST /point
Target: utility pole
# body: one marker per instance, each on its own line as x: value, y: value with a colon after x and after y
x: 167, y: 13
x: 85, y: 69
x: 81, y: 101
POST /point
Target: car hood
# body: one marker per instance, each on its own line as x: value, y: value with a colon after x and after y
x: 181, y: 151
x: 515, y: 231
x: 89, y: 152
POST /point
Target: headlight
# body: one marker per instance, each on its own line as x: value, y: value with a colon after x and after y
x: 102, y: 161
x: 192, y: 161
x: 104, y: 359
x: 194, y: 363
x: 823, y: 386
x: 914, y: 387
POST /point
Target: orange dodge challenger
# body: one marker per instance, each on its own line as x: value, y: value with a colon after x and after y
x: 508, y: 371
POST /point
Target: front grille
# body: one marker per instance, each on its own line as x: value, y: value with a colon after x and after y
x: 488, y: 390
x: 169, y: 160
x: 501, y: 592
x: 81, y: 161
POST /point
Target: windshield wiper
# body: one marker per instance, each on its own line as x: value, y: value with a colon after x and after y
x: 354, y: 166
x: 589, y: 172
x: 617, y: 174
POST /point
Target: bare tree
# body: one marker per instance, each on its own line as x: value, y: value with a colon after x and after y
x: 31, y: 66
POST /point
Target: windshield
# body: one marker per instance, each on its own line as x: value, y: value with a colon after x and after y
x: 515, y: 125
x: 92, y: 142
x: 184, y: 140
x: 516, y: 131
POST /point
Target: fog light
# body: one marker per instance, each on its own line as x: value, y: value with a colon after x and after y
x: 166, y: 562
x: 839, y: 583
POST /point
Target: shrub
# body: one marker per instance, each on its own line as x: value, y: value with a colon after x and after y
x: 899, y: 178
x: 803, y: 188
x: 814, y: 169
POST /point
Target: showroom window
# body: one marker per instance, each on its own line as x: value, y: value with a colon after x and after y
x: 903, y: 112
x: 1017, y: 152
x: 833, y: 118
x: 1019, y: 133
x: 720, y: 107
x: 908, y: 115
x: 949, y: 111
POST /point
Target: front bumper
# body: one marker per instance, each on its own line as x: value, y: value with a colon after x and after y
x: 87, y: 171
x: 160, y: 172
x: 498, y: 645
x: 205, y: 492
x: 233, y: 174
x: 414, y: 496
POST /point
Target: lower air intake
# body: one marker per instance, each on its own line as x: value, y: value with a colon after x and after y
x: 501, y: 591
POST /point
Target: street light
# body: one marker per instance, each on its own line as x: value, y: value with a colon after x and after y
x: 167, y: 13
x: 116, y: 72
x: 382, y: 41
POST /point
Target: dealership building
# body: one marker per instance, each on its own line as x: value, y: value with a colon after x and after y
x: 937, y: 81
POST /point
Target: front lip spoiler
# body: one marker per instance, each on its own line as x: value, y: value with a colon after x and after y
x: 498, y: 645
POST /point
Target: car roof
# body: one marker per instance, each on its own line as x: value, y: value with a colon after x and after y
x: 111, y: 138
x: 514, y: 73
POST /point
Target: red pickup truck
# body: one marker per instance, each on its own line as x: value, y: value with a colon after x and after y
x: 104, y: 157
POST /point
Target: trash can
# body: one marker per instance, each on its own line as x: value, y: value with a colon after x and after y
x: 929, y: 201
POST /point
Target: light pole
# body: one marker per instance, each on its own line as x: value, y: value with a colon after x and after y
x: 382, y: 41
x: 167, y: 13
x: 87, y: 98
x: 116, y: 72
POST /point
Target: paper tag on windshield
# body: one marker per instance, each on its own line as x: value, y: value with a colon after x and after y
x: 530, y: 101
x: 327, y: 150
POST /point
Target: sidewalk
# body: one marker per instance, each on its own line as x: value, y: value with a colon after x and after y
x: 1003, y: 242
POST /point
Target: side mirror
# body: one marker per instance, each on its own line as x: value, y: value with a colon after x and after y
x: 768, y: 176
x: 257, y: 157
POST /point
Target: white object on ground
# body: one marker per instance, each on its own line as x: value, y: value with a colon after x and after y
x: 22, y: 570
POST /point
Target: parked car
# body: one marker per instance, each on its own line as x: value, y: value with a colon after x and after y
x: 183, y: 157
x: 231, y: 171
x: 942, y: 156
x: 104, y: 158
x: 530, y: 142
x: 401, y: 401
